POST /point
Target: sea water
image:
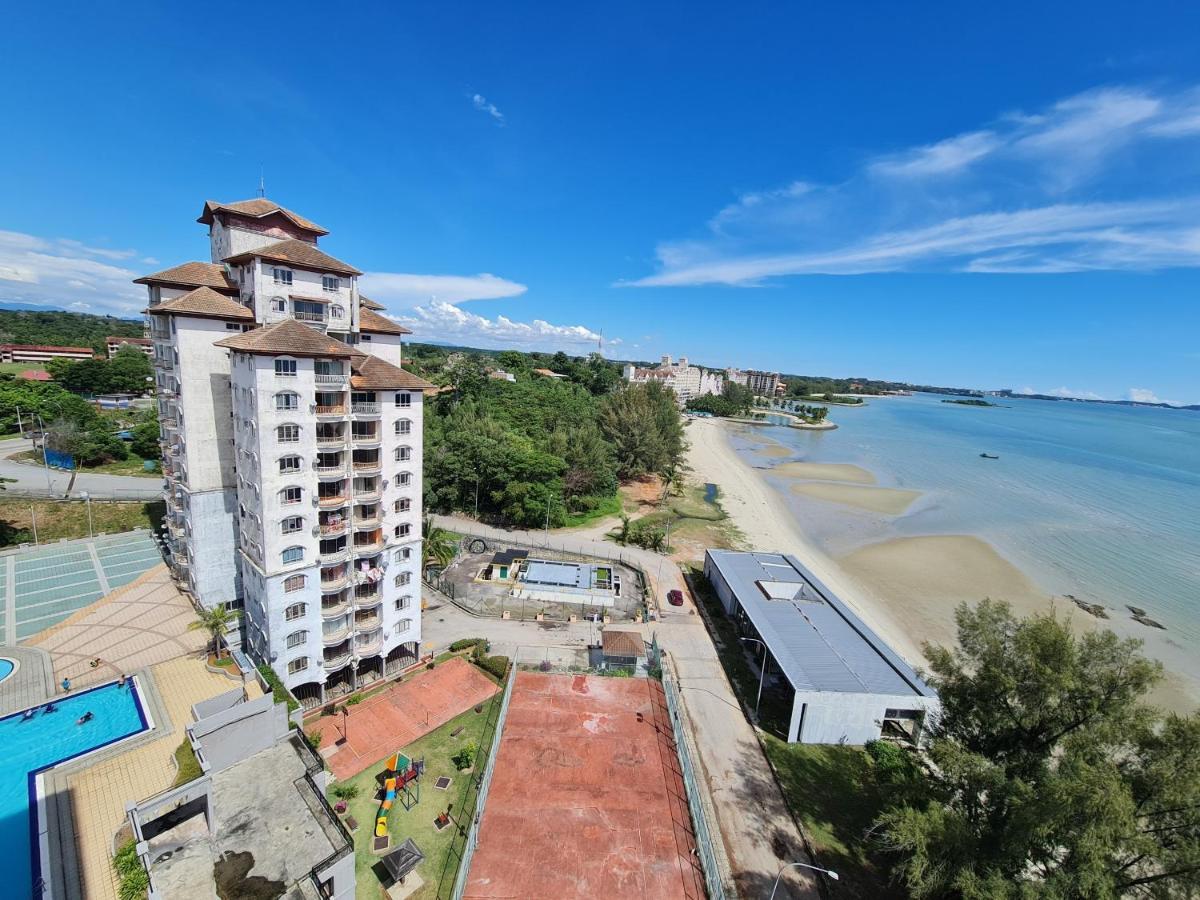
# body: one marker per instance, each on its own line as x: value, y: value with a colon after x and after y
x: 1099, y: 501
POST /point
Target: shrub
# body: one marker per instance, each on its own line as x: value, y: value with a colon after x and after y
x: 354, y: 700
x: 134, y: 881
x: 464, y: 643
x: 464, y: 758
x: 314, y: 738
x: 281, y: 693
x: 496, y: 666
x: 186, y: 765
x: 345, y: 791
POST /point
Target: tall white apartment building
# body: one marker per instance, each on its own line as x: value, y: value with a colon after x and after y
x: 291, y: 450
x: 685, y: 380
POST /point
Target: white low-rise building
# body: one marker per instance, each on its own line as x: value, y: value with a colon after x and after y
x: 292, y: 450
x: 687, y: 381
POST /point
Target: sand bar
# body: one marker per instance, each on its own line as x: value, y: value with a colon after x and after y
x: 825, y: 472
x: 888, y: 501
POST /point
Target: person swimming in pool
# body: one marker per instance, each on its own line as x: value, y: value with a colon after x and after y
x: 27, y: 716
x: 121, y: 680
x: 86, y: 717
x: 50, y: 707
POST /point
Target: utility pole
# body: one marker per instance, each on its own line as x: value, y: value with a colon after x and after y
x: 33, y: 516
x: 45, y: 460
x: 88, y: 499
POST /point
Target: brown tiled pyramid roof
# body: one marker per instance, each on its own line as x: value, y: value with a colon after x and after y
x: 370, y: 373
x: 205, y: 302
x: 192, y: 274
x: 286, y: 338
x: 258, y: 208
x: 299, y: 253
x: 623, y: 643
x: 369, y: 320
x: 369, y: 303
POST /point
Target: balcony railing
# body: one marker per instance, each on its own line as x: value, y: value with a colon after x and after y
x: 370, y: 646
x: 333, y: 502
x: 331, y: 610
x: 337, y: 636
x: 365, y: 409
x: 339, y: 410
x: 180, y: 559
x: 367, y: 621
x: 330, y: 377
x: 367, y: 466
x: 361, y: 439
x: 364, y: 523
x: 308, y: 316
x: 336, y: 556
x: 335, y: 582
x: 329, y: 529
x: 368, y: 493
x: 336, y: 470
x: 336, y: 660
x: 336, y: 440
x: 362, y: 547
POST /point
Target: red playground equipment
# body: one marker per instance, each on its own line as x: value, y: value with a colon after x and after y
x: 401, y: 779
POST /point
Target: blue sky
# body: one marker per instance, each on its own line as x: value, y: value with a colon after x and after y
x: 1001, y: 197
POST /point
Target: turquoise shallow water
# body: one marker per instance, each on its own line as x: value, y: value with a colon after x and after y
x: 1098, y: 501
x: 44, y: 740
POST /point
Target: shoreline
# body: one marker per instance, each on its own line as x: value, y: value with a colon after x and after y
x: 904, y: 588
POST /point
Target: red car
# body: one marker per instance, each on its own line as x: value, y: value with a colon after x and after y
x: 675, y: 598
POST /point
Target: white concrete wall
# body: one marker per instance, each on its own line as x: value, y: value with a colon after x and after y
x: 387, y: 347
x: 833, y: 718
x: 204, y: 404
x: 305, y: 283
x: 231, y: 238
x: 402, y: 625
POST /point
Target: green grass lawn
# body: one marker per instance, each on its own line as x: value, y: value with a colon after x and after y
x: 16, y: 368
x: 69, y: 519
x: 133, y: 465
x: 440, y: 862
x: 831, y: 790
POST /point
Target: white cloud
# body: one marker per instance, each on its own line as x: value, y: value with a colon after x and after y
x: 482, y: 104
x: 1087, y: 184
x: 63, y: 273
x: 1145, y: 395
x: 403, y: 290
x: 1074, y: 394
x: 442, y: 321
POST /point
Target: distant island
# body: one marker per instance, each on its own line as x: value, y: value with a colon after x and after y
x: 972, y: 402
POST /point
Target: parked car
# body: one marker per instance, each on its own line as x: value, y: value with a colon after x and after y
x: 675, y: 598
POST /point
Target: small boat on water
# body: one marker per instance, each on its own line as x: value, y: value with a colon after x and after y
x: 988, y: 456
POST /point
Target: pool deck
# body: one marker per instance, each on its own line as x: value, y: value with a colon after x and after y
x: 30, y: 683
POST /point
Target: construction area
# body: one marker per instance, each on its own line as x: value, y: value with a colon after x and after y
x: 587, y: 798
x: 518, y: 583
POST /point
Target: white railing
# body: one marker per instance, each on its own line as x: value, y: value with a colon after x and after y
x: 365, y: 409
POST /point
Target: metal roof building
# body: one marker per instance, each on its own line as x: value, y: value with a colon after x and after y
x: 848, y: 685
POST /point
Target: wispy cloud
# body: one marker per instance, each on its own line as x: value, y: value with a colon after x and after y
x: 482, y: 104
x: 1086, y: 184
x: 441, y: 321
x: 399, y: 289
x: 67, y: 274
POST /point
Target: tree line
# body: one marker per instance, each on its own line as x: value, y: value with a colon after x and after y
x: 540, y: 450
x: 63, y: 329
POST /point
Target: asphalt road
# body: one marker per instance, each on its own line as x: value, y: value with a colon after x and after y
x: 31, y: 480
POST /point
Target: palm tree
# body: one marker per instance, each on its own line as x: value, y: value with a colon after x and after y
x: 217, y: 621
x: 440, y: 546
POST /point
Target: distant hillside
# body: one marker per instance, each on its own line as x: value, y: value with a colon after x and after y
x: 63, y: 329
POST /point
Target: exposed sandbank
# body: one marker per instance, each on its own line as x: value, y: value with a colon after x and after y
x: 887, y: 501
x: 823, y: 471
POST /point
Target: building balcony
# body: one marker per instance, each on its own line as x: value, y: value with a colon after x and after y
x: 373, y: 439
x: 337, y: 440
x: 333, y: 610
x: 337, y: 556
x: 370, y: 494
x: 335, y: 581
x: 333, y: 502
x: 333, y: 529
x: 337, y: 635
x: 335, y: 378
x: 164, y: 365
x: 369, y: 644
x: 328, y: 472
x: 368, y: 522
x: 366, y: 409
x: 330, y: 412
x: 180, y: 559
x: 367, y: 621
x: 300, y: 316
x: 363, y: 467
x: 336, y: 659
x: 368, y: 548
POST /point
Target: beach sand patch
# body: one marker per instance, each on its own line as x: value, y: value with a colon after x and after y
x: 825, y: 472
x: 888, y: 501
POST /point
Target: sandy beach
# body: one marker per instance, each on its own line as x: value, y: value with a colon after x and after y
x: 821, y: 471
x: 886, y: 501
x: 904, y: 588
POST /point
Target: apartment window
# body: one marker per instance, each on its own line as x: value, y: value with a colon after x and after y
x: 403, y: 426
x: 403, y: 578
x: 404, y: 400
x: 232, y: 326
x: 294, y: 583
x: 291, y: 495
x: 404, y: 479
x: 296, y: 638
x: 403, y: 602
x: 292, y: 524
x: 287, y: 400
x: 289, y: 464
x: 403, y: 454
x: 330, y: 283
x: 337, y: 311
x: 282, y: 276
x: 403, y: 625
x: 293, y: 554
x: 403, y: 505
x: 403, y: 530
x: 298, y: 665
x: 364, y: 337
x: 295, y: 611
x: 285, y: 367
x: 403, y: 553
x: 287, y: 434
x: 278, y: 304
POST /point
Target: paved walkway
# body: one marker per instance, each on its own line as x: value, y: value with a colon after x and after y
x: 395, y: 718
x: 36, y: 481
x: 141, y: 624
x: 752, y: 816
x: 100, y: 793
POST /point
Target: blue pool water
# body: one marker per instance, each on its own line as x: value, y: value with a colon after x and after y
x: 6, y: 668
x: 28, y: 747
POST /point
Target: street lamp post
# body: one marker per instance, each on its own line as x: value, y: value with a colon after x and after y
x: 762, y: 673
x: 88, y: 499
x: 799, y: 865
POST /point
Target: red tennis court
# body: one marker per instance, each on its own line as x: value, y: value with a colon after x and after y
x: 398, y: 716
x: 586, y: 800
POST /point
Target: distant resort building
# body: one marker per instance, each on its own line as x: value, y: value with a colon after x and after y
x: 41, y: 353
x: 115, y: 344
x: 761, y: 384
x: 685, y: 380
x: 844, y: 684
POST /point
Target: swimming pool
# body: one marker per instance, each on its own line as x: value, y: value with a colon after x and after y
x: 7, y: 666
x: 33, y: 745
